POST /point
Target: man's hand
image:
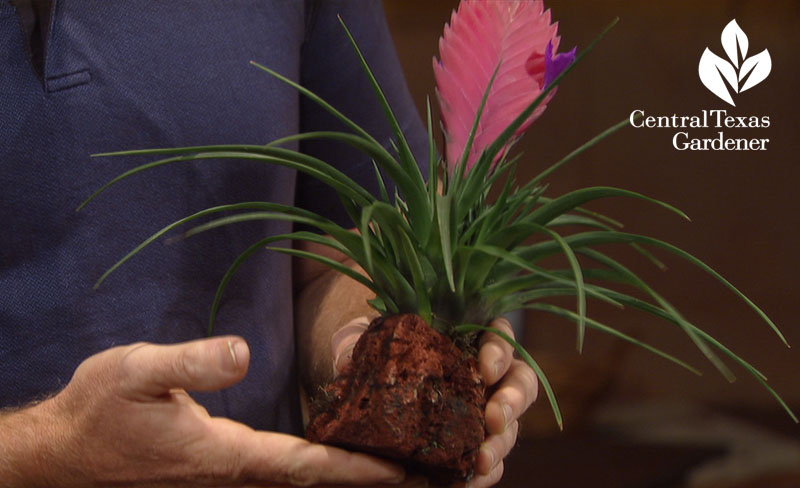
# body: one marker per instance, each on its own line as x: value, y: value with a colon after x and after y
x: 125, y: 418
x: 517, y: 389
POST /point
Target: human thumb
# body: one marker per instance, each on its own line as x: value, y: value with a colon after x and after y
x: 152, y: 370
x: 344, y: 340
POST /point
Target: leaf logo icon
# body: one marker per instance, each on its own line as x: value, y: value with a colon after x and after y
x: 721, y: 76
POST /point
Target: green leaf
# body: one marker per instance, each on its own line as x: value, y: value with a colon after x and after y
x: 649, y: 308
x: 247, y: 217
x: 492, y: 218
x: 571, y: 219
x: 503, y: 288
x: 331, y: 263
x: 334, y: 178
x: 350, y: 242
x: 398, y: 233
x: 468, y: 184
x: 433, y: 159
x: 319, y: 101
x: 577, y: 220
x: 600, y: 236
x: 381, y: 184
x: 580, y: 150
x: 378, y: 304
x: 629, y: 277
x: 444, y: 205
x: 497, y: 224
x: 395, y: 231
x: 419, y: 209
x: 418, y: 278
x: 590, y: 213
x: 226, y: 278
x: 467, y: 328
x: 509, y: 132
x: 366, y: 238
x: 407, y: 157
x: 574, y: 264
x: 578, y: 274
x: 624, y: 275
x: 569, y: 201
x: 408, y: 187
x: 261, y: 245
x: 464, y: 157
x: 178, y: 223
x: 540, y: 250
x: 520, y: 299
x: 552, y: 309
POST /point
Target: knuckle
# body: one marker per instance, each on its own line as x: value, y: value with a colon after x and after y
x: 531, y: 385
x: 511, y: 432
x: 127, y: 355
x: 516, y: 400
x: 506, y: 441
x: 491, y: 351
x: 301, y: 472
x: 128, y: 365
x: 300, y: 475
x: 527, y: 380
x: 211, y: 462
x: 184, y: 367
x: 503, y: 325
x: 497, y: 473
x: 220, y: 469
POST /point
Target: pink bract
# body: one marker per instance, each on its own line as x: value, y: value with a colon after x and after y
x: 481, y: 35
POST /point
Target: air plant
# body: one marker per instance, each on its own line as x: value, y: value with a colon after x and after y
x: 439, y: 246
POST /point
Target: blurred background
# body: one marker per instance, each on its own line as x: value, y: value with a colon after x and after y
x: 632, y: 419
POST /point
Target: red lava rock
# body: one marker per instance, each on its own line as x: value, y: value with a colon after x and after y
x: 411, y: 395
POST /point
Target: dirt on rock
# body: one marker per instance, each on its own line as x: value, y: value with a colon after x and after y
x: 411, y: 395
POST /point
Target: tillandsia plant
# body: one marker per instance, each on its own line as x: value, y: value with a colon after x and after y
x: 441, y: 257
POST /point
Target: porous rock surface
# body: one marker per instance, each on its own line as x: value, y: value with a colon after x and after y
x: 411, y: 395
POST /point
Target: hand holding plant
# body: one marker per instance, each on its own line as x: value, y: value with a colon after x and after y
x: 166, y: 439
x: 516, y: 388
x: 443, y: 259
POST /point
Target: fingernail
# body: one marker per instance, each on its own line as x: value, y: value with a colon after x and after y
x: 416, y: 482
x: 504, y: 323
x: 236, y: 355
x: 233, y: 354
x: 396, y: 475
x: 498, y: 367
x: 348, y: 351
x: 344, y: 357
x: 347, y: 335
x: 507, y: 414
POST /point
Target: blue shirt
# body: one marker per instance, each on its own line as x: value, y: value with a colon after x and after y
x: 141, y: 74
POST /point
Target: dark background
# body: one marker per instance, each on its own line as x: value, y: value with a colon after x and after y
x: 743, y: 205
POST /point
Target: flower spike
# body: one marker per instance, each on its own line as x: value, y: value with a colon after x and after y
x: 516, y: 36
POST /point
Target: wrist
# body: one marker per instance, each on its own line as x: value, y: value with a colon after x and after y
x: 30, y: 447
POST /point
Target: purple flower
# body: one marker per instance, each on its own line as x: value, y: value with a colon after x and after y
x: 554, y: 65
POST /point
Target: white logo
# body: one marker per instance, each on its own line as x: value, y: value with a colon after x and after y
x: 715, y: 71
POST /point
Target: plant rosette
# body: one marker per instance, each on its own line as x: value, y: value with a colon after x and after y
x: 443, y: 259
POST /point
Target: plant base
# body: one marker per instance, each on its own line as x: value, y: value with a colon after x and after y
x: 411, y: 395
